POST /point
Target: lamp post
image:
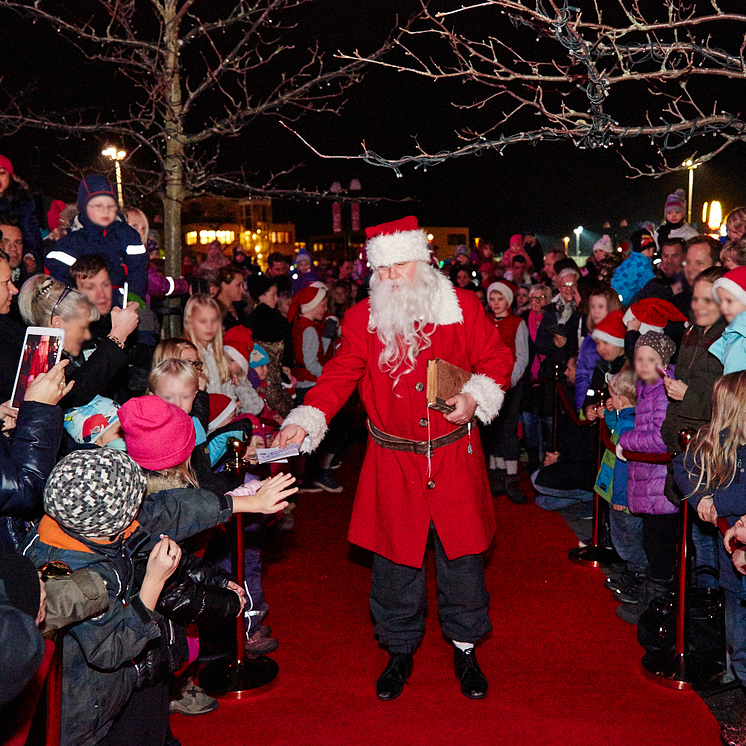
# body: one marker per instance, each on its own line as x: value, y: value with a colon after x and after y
x: 577, y: 231
x: 690, y: 165
x: 117, y: 156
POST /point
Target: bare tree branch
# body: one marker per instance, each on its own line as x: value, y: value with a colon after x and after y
x: 549, y: 71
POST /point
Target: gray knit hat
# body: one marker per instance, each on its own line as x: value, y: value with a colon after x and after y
x: 662, y: 344
x: 95, y: 493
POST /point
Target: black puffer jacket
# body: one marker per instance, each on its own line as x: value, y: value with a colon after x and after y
x: 27, y: 457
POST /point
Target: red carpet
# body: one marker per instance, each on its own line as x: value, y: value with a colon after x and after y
x: 563, y: 669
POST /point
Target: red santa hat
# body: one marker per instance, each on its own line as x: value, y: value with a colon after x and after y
x: 395, y: 242
x: 306, y: 300
x: 222, y: 409
x: 733, y: 282
x: 611, y: 329
x: 238, y: 343
x: 508, y: 289
x: 653, y: 314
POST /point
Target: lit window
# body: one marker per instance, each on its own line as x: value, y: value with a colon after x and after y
x: 191, y: 238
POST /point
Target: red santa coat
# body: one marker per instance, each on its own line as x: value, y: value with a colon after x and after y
x: 394, y: 505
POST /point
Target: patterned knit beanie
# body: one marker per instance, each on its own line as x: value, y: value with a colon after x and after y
x: 95, y: 493
x: 662, y: 344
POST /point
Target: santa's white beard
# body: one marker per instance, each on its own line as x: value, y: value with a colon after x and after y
x: 399, y: 312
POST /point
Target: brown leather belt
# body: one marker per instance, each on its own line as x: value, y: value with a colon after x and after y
x: 394, y: 443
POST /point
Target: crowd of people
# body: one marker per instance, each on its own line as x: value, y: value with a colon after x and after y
x: 114, y: 467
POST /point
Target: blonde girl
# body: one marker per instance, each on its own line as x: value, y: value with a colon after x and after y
x: 181, y: 349
x: 203, y: 326
x: 710, y: 474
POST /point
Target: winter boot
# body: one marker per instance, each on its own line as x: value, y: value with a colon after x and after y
x: 498, y: 484
x: 513, y: 489
x: 631, y: 612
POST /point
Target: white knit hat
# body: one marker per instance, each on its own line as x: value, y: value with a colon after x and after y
x: 604, y: 243
x: 395, y: 242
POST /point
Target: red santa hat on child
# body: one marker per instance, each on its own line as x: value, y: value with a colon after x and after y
x: 222, y: 409
x: 238, y: 343
x: 306, y: 300
x: 733, y: 282
x: 395, y: 242
x: 611, y: 329
x: 508, y: 289
x: 653, y: 314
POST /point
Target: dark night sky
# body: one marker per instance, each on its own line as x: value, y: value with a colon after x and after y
x: 551, y: 187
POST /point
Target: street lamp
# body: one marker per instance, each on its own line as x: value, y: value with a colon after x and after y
x: 690, y: 165
x: 577, y: 233
x: 116, y: 155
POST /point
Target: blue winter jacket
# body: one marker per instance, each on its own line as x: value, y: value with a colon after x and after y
x: 729, y: 501
x: 119, y: 244
x: 730, y: 349
x: 587, y: 358
x: 618, y: 423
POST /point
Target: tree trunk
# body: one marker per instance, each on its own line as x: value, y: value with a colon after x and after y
x: 174, y: 163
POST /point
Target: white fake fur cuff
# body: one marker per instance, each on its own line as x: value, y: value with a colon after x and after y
x: 312, y: 420
x: 488, y: 395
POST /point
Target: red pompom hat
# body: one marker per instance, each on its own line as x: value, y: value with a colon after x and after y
x: 734, y: 282
x: 654, y: 314
x: 6, y: 164
x: 158, y: 435
x: 395, y: 242
x: 222, y: 409
x: 306, y: 300
x: 611, y: 329
x: 238, y: 343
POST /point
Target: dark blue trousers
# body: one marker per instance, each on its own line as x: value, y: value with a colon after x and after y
x: 398, y: 600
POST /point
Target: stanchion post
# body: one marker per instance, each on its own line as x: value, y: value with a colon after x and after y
x: 556, y: 408
x: 53, y: 725
x: 594, y: 555
x: 677, y: 672
x: 245, y: 676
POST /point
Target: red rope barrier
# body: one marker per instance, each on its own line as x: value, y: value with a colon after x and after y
x: 571, y: 413
x: 646, y: 458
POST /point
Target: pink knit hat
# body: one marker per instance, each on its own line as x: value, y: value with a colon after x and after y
x: 6, y: 164
x: 158, y: 435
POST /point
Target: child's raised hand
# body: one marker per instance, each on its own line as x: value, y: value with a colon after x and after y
x: 271, y: 498
x: 736, y: 533
x: 240, y: 592
x: 707, y: 511
x: 163, y: 560
x: 739, y: 561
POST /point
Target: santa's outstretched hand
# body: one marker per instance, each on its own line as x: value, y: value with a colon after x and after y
x: 290, y: 435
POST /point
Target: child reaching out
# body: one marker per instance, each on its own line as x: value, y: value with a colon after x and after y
x: 203, y: 326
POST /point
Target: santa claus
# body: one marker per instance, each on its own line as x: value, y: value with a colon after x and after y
x: 424, y: 472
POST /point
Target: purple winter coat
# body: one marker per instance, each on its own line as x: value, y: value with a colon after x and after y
x: 646, y: 482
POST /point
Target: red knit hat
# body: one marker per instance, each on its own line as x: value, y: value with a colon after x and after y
x: 53, y: 215
x: 222, y: 409
x: 6, y: 164
x: 158, y: 435
x: 306, y: 300
x: 397, y: 241
x: 733, y: 282
x: 654, y: 314
x: 611, y: 329
x: 238, y: 343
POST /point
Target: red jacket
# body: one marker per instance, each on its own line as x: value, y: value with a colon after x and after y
x: 394, y: 506
x: 299, y: 327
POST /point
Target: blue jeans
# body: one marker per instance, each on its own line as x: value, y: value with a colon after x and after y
x: 735, y: 634
x: 573, y: 505
x: 705, y: 537
x: 536, y: 430
x: 626, y: 536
